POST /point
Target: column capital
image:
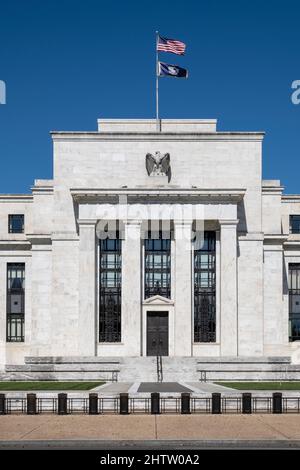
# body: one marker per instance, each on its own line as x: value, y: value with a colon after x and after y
x: 185, y: 222
x: 87, y: 222
x: 133, y: 222
x: 228, y: 222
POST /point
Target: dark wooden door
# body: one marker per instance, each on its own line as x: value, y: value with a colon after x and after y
x: 157, y: 334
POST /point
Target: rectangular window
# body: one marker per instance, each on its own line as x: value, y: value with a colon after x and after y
x: 294, y: 301
x: 110, y: 290
x: 15, y: 301
x: 205, y: 290
x: 16, y: 223
x: 158, y: 266
x: 294, y: 223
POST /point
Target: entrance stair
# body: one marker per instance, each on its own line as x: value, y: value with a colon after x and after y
x: 145, y: 369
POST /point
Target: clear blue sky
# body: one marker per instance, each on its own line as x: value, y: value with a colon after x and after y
x: 68, y: 62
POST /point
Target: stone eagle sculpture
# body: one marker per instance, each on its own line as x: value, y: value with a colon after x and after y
x: 158, y: 164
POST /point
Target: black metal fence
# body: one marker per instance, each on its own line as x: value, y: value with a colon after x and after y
x: 155, y: 404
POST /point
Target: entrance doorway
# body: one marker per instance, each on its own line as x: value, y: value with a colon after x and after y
x: 157, y: 334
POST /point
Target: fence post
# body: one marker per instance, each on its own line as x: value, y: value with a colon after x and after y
x: 185, y: 403
x: 62, y: 403
x: 31, y: 404
x: 277, y: 402
x: 247, y: 403
x: 155, y: 403
x: 216, y: 403
x: 2, y: 404
x: 124, y: 404
x: 93, y: 403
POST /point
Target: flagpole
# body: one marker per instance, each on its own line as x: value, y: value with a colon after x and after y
x: 157, y: 72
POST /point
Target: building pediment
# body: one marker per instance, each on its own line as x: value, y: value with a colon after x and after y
x: 158, y: 300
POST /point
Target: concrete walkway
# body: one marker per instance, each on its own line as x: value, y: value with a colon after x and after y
x: 202, y: 428
x: 133, y: 388
x: 112, y: 388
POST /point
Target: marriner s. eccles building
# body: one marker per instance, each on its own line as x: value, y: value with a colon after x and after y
x: 151, y: 244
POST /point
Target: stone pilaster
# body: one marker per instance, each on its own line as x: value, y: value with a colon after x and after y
x: 228, y: 262
x: 131, y: 289
x: 3, y: 316
x: 39, y: 336
x: 183, y: 290
x: 87, y: 324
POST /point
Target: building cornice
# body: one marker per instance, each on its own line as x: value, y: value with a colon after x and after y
x: 155, y: 136
x: 39, y: 238
x: 275, y: 239
x: 286, y: 198
x: 193, y: 194
x: 16, y: 198
x: 273, y: 191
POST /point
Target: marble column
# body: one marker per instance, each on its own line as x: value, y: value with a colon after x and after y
x: 131, y: 289
x: 183, y: 288
x: 87, y: 324
x: 229, y: 313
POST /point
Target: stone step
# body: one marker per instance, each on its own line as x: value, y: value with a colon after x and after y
x: 71, y: 360
x: 247, y: 367
x: 245, y: 360
x: 66, y: 367
x: 143, y: 369
x: 63, y: 376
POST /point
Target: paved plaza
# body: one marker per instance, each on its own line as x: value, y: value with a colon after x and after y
x: 262, y: 430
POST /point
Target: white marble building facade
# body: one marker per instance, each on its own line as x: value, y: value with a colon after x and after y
x: 214, y: 189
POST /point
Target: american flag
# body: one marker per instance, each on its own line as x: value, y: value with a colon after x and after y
x: 170, y: 45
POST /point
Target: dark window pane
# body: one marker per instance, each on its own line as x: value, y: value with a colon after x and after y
x: 294, y: 223
x: 294, y: 301
x: 157, y: 266
x: 15, y: 301
x: 205, y: 289
x: 16, y: 223
x: 110, y: 291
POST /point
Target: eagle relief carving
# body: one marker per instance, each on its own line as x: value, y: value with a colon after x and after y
x: 158, y: 164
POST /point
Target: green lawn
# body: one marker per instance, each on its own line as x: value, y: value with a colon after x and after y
x: 261, y: 385
x: 28, y: 386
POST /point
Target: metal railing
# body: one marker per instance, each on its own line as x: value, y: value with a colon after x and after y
x: 154, y: 404
x: 159, y: 368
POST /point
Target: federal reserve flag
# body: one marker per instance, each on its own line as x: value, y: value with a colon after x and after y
x: 168, y: 70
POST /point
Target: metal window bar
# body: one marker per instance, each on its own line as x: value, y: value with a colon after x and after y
x: 294, y: 301
x: 205, y: 290
x: 110, y: 264
x: 16, y: 223
x: 157, y: 266
x: 295, y: 224
x: 15, y: 302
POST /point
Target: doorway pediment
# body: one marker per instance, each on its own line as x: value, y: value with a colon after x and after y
x: 158, y: 300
